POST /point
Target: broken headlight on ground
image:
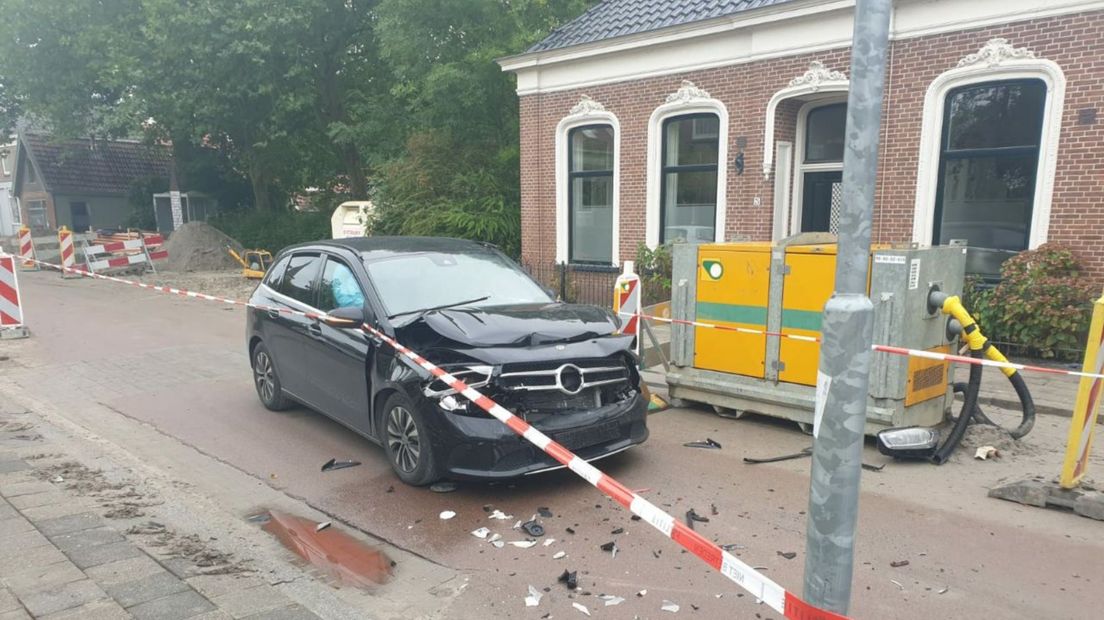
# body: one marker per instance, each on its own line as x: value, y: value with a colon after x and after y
x: 913, y: 442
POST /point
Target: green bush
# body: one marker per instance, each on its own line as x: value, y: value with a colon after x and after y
x: 654, y: 269
x: 273, y: 230
x: 1043, y: 303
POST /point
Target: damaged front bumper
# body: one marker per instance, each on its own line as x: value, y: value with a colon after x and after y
x: 484, y: 448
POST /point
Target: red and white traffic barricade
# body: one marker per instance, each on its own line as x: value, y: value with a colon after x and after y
x: 68, y: 253
x: 11, y: 307
x: 626, y: 303
x: 26, y: 249
x: 127, y: 252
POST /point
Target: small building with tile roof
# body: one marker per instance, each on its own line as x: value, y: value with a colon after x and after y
x: 81, y: 184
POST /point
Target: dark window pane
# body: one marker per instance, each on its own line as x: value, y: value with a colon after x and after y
x: 824, y: 133
x: 592, y: 148
x: 275, y: 275
x: 299, y: 278
x: 691, y: 140
x: 690, y: 206
x: 592, y: 219
x: 339, y: 287
x: 987, y: 201
x: 998, y: 114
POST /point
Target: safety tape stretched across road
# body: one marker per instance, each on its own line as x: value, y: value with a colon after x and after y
x: 172, y: 291
x: 762, y: 587
x: 881, y: 348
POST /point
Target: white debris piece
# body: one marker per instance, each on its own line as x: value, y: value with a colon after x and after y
x: 669, y: 606
x: 524, y: 544
x: 447, y: 514
x: 498, y: 544
x: 501, y: 516
x: 582, y: 608
x: 321, y: 526
x: 549, y: 541
x: 559, y: 554
x: 534, y: 597
x: 481, y: 533
x: 494, y: 537
x: 985, y: 452
x: 641, y: 593
x: 57, y: 479
x: 611, y: 600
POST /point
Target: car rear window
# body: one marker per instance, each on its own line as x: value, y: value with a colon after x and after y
x: 298, y: 280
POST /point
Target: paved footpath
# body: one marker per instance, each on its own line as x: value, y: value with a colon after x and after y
x: 58, y: 559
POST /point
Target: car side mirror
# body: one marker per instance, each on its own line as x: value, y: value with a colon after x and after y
x: 348, y: 317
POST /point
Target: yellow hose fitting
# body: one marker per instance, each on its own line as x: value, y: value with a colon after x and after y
x: 974, y: 338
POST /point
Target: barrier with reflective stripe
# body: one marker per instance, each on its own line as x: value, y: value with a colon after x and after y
x: 11, y: 307
x: 1087, y: 406
x: 26, y: 248
x: 124, y: 253
x: 68, y: 251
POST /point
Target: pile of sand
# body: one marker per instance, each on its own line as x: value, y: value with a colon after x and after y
x: 198, y: 246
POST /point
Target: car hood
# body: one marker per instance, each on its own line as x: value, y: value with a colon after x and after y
x: 521, y: 326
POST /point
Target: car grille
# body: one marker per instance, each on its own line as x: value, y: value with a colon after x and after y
x: 572, y: 377
x: 562, y: 386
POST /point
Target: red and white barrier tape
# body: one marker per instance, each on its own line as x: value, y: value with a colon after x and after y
x: 881, y: 348
x: 175, y: 291
x: 759, y: 585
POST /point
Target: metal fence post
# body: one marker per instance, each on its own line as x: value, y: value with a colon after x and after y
x: 844, y: 374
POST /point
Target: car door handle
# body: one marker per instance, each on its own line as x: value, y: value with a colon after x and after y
x: 275, y: 314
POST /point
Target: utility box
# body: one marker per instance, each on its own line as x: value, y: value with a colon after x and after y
x: 352, y: 219
x: 760, y: 290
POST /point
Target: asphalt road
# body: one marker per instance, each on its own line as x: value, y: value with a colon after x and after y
x: 180, y: 366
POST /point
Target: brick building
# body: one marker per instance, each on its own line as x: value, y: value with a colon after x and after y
x: 664, y: 120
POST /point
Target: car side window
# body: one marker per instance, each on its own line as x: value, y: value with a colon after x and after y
x: 339, y: 287
x: 299, y: 277
x: 275, y: 275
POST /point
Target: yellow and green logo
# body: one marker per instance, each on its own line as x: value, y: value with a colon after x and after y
x: 713, y: 268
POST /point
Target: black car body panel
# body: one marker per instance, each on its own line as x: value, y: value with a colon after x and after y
x: 564, y: 368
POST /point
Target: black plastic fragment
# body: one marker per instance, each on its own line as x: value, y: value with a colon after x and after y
x: 333, y: 464
x: 544, y: 512
x: 692, y: 516
x: 708, y: 444
x: 619, y: 530
x: 570, y: 578
x: 533, y: 528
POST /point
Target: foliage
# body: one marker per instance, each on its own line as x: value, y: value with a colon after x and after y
x: 1043, y: 303
x: 654, y: 268
x: 273, y: 230
x: 139, y: 196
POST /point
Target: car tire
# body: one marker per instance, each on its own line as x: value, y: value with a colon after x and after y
x: 406, y: 441
x: 267, y: 381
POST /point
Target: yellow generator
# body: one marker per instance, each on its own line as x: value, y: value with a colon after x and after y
x: 762, y: 289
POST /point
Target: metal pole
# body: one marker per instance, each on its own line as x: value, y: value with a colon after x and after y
x: 844, y: 375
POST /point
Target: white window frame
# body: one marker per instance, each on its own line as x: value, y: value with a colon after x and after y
x: 995, y: 62
x: 688, y: 99
x: 586, y: 112
x: 800, y: 167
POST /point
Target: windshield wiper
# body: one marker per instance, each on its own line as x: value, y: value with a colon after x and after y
x: 441, y: 307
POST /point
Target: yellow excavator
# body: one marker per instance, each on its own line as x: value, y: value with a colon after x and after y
x: 254, y: 262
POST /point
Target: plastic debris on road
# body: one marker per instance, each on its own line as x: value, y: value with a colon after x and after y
x: 322, y: 526
x: 611, y: 547
x: 669, y: 606
x: 524, y: 544
x: 534, y: 597
x: 559, y: 554
x: 501, y: 516
x: 611, y: 600
x: 708, y: 444
x: 481, y: 533
x: 582, y: 608
x: 447, y: 514
x: 986, y: 452
x: 446, y: 486
x: 549, y: 542
x: 641, y: 593
x: 533, y: 528
x: 570, y: 579
x: 333, y: 464
x: 544, y: 512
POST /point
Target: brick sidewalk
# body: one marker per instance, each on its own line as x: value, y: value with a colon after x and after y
x: 60, y: 560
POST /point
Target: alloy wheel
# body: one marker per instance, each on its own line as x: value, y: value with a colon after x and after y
x: 263, y: 376
x: 403, y: 439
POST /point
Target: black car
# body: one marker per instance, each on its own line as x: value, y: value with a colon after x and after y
x: 466, y: 307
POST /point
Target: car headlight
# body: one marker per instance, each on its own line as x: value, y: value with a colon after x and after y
x: 475, y: 376
x: 912, y: 442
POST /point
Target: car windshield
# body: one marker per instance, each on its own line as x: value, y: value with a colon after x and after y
x: 409, y: 283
